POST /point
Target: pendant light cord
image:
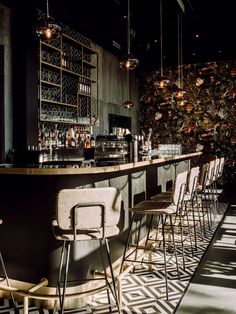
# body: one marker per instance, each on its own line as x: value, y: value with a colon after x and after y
x: 161, y: 38
x: 128, y: 28
x: 128, y: 44
x: 180, y: 50
x: 47, y: 9
x: 128, y: 85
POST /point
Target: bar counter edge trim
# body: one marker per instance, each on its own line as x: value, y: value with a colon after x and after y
x: 94, y: 170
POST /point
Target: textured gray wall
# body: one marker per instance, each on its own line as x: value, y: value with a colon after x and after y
x: 5, y: 40
x: 112, y: 92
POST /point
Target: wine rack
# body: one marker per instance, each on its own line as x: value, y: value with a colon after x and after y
x: 68, y: 81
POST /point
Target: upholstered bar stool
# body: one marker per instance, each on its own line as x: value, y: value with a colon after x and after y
x: 188, y: 221
x: 5, y: 275
x: 218, y: 173
x: 190, y: 218
x: 166, y: 213
x: 205, y: 191
x: 192, y: 208
x: 89, y: 214
x: 201, y: 186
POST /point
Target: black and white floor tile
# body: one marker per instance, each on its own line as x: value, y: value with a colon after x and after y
x: 144, y: 291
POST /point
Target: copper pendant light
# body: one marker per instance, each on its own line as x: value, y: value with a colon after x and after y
x: 48, y: 29
x: 128, y: 104
x: 128, y: 62
x: 163, y: 81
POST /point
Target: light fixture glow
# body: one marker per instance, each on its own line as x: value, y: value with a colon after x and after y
x: 128, y: 62
x: 48, y: 29
x: 128, y: 104
x: 163, y: 81
x: 180, y: 94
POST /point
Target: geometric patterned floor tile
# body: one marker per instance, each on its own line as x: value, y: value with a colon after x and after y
x: 144, y: 292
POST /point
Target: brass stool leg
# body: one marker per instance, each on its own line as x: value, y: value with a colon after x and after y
x: 127, y: 243
x: 62, y: 296
x: 164, y: 253
x: 175, y: 252
x: 7, y: 280
x: 112, y: 276
x: 105, y: 274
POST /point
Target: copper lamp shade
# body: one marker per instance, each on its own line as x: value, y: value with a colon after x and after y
x: 47, y: 28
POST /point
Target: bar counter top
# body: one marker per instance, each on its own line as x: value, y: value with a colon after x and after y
x: 93, y: 170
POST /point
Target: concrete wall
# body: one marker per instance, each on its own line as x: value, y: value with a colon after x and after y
x: 5, y: 40
x: 113, y: 91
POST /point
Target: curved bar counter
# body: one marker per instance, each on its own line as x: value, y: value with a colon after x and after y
x: 27, y: 208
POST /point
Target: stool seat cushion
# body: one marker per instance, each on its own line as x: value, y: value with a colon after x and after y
x: 154, y: 208
x: 162, y: 198
x: 83, y: 235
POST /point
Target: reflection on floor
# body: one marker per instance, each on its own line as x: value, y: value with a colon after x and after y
x: 144, y: 292
x: 212, y: 288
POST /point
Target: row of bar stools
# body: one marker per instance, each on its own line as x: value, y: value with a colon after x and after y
x: 6, y: 276
x: 188, y: 217
x: 167, y: 214
x: 87, y: 215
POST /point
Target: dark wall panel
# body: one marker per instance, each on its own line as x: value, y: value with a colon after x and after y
x: 2, y: 132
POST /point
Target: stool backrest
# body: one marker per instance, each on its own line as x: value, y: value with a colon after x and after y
x: 193, y: 179
x: 216, y: 168
x: 211, y: 171
x: 221, y: 167
x: 179, y: 187
x: 88, y: 208
x: 203, y: 174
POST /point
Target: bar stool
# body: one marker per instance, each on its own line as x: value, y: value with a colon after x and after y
x: 166, y: 213
x: 205, y: 191
x: 192, y: 208
x: 221, y: 168
x: 218, y: 173
x: 6, y: 276
x: 188, y: 219
x: 87, y: 215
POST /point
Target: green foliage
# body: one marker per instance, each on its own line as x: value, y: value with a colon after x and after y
x: 205, y: 114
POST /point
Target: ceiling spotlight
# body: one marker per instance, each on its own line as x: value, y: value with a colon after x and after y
x: 128, y: 104
x: 48, y: 29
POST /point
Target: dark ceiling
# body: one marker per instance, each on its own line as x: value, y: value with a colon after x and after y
x: 208, y: 27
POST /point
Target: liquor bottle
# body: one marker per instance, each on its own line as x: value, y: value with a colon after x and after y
x: 92, y: 141
x: 72, y: 138
x: 63, y: 60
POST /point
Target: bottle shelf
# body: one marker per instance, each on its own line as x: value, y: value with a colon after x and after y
x: 50, y: 83
x: 67, y: 81
x: 57, y: 103
x: 66, y: 122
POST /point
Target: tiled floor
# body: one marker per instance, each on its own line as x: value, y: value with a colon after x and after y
x: 213, y: 286
x: 144, y: 291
